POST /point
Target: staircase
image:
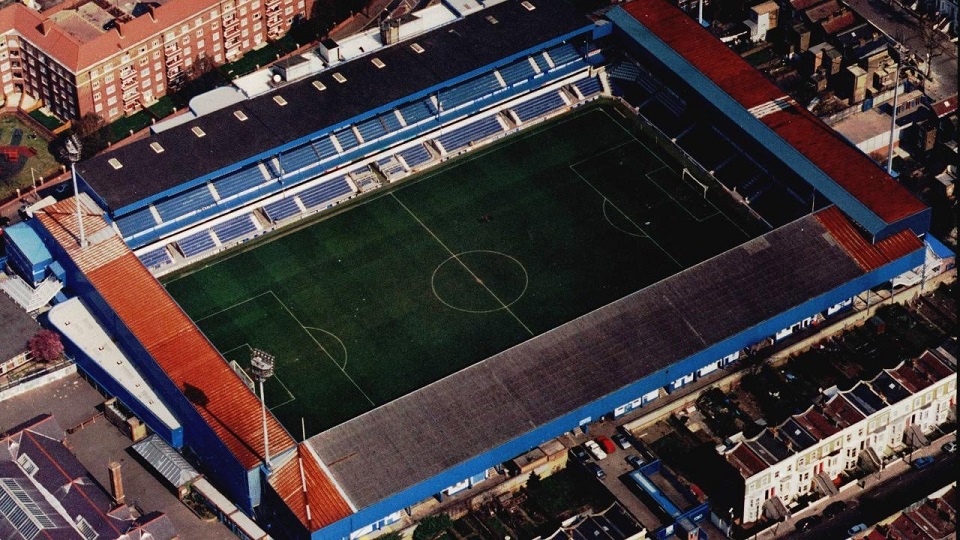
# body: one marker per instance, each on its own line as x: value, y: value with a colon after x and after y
x: 27, y: 297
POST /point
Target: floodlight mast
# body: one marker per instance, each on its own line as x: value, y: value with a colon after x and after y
x: 261, y: 364
x: 73, y: 149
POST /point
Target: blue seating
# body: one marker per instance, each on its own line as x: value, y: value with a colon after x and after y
x: 390, y: 121
x: 625, y: 71
x: 324, y: 147
x: 469, y: 90
x: 234, y: 228
x: 371, y: 129
x: 196, y: 244
x: 239, y: 181
x: 136, y: 222
x: 389, y: 166
x: 589, y: 86
x: 563, y: 55
x: 417, y: 111
x: 469, y: 133
x: 346, y: 138
x: 281, y: 209
x: 415, y: 156
x: 156, y: 258
x: 324, y: 193
x: 189, y: 201
x: 298, y: 158
x: 520, y: 70
x: 538, y: 106
x: 541, y: 62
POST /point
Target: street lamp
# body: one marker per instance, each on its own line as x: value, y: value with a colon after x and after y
x: 261, y: 364
x: 72, y: 151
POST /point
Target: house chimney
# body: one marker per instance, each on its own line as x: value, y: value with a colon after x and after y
x: 116, y: 482
x: 46, y: 25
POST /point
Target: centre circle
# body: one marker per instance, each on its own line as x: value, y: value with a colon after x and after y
x: 479, y: 281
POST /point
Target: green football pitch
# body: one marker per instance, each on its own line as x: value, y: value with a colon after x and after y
x: 455, y: 265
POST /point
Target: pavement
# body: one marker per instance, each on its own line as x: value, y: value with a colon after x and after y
x: 73, y: 401
x: 883, y: 494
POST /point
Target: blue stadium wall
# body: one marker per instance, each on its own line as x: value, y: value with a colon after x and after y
x: 607, y: 404
x: 382, y: 143
x: 223, y: 469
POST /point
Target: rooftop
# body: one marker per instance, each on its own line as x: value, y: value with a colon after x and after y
x: 18, y: 328
x: 450, y: 51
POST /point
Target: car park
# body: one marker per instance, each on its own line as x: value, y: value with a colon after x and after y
x: 606, y: 444
x: 922, y: 463
x: 595, y: 470
x: 856, y: 529
x: 950, y: 447
x: 580, y: 454
x: 808, y: 522
x: 595, y: 450
x: 834, y: 509
x: 622, y: 441
x: 636, y: 461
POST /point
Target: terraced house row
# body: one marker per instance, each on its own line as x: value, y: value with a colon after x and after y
x: 113, y: 59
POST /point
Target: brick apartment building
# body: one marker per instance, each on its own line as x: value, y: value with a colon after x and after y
x: 114, y: 57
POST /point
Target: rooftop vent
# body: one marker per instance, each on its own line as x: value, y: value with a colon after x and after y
x: 528, y: 6
x: 280, y: 101
x: 339, y: 78
x: 319, y: 86
x: 115, y: 163
x: 378, y: 62
x: 491, y: 19
x: 155, y: 146
x: 197, y: 131
x: 240, y: 116
x: 416, y: 48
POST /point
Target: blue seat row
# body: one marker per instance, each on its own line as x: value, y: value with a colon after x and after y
x: 520, y: 70
x: 538, y: 106
x: 469, y: 90
x: 239, y: 181
x: 324, y: 193
x: 390, y: 121
x: 346, y: 138
x: 298, y: 158
x: 563, y: 54
x: 324, y: 147
x: 136, y: 222
x: 415, y: 155
x: 188, y: 201
x: 541, y: 62
x: 196, y: 244
x: 281, y: 209
x: 625, y: 71
x: 417, y: 111
x: 234, y: 228
x: 469, y: 133
x: 589, y: 86
x: 371, y: 129
x: 156, y: 258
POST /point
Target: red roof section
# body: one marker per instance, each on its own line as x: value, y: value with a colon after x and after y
x: 179, y: 348
x: 868, y: 256
x: 302, y: 484
x: 816, y: 423
x: 746, y: 461
x: 844, y: 163
x: 839, y: 23
x: 842, y: 411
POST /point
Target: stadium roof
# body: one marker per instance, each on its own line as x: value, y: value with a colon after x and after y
x: 18, y: 328
x: 177, y: 345
x: 456, y: 49
x: 848, y: 177
x: 490, y: 403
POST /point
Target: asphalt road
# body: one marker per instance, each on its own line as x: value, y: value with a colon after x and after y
x: 894, y: 493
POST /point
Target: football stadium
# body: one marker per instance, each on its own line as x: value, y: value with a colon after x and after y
x: 458, y: 244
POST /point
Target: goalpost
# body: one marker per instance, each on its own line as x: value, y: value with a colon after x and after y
x: 243, y: 375
x: 686, y: 172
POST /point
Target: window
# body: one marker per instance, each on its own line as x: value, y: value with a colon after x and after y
x: 114, y: 162
x: 528, y: 6
x: 491, y: 19
x: 377, y: 62
x: 319, y: 86
x: 279, y: 100
x: 416, y: 48
x: 198, y: 132
x: 95, y: 85
x: 155, y: 146
x: 339, y: 78
x: 27, y: 464
x: 240, y: 116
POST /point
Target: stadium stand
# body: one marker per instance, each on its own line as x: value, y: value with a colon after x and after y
x: 364, y: 178
x: 325, y: 192
x: 196, y: 243
x: 563, y: 55
x: 238, y: 182
x: 298, y: 158
x: 156, y: 258
x: 324, y: 147
x: 188, y: 201
x: 371, y: 129
x: 473, y: 132
x: 415, y: 156
x: 346, y: 138
x: 417, y: 111
x: 538, y: 106
x: 234, y: 228
x: 136, y: 222
x: 391, y: 167
x: 468, y: 91
x: 541, y: 62
x: 519, y: 71
x: 588, y: 87
x: 390, y: 121
x: 282, y: 209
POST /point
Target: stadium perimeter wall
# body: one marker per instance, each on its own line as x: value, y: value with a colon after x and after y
x: 199, y: 442
x: 605, y: 405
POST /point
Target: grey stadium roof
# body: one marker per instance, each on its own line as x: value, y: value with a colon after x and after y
x: 511, y: 393
x: 450, y: 51
x: 18, y: 327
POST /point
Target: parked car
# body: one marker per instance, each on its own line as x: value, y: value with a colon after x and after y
x: 808, y: 522
x: 834, y: 509
x: 636, y: 461
x: 595, y: 450
x: 950, y: 447
x: 596, y: 470
x: 606, y: 444
x: 580, y: 454
x: 856, y: 529
x: 922, y: 463
x: 622, y: 441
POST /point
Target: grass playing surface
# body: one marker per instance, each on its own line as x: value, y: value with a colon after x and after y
x: 454, y: 266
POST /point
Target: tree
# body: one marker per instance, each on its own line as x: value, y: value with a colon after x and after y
x: 46, y: 346
x: 431, y: 526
